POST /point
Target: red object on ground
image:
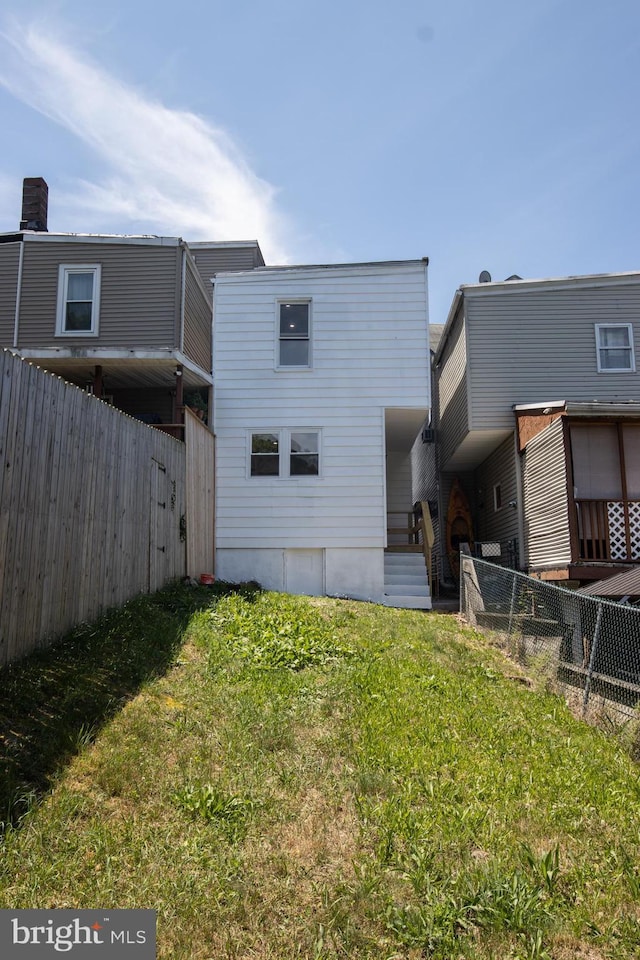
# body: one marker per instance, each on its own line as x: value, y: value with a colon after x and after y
x: 207, y: 579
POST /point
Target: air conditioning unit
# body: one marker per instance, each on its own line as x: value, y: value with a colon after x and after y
x: 428, y: 435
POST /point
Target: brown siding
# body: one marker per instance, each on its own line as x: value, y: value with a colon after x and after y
x: 197, y: 320
x: 9, y: 258
x: 137, y: 296
x: 222, y: 259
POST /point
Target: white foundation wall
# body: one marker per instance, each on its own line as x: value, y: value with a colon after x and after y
x: 350, y: 572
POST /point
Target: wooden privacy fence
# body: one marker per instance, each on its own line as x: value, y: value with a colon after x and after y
x: 200, y: 476
x: 92, y: 507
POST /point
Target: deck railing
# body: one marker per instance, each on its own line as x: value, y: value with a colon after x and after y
x: 608, y: 530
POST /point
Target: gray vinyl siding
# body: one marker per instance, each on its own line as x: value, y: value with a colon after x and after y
x: 546, y: 511
x: 9, y: 259
x: 197, y: 320
x: 223, y: 259
x: 498, y: 468
x: 451, y: 380
x: 139, y: 295
x: 539, y: 344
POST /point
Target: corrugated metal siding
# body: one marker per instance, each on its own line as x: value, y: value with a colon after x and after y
x: 451, y: 379
x: 9, y: 258
x: 370, y: 351
x: 540, y: 345
x: 545, y: 500
x: 212, y: 260
x: 197, y: 320
x: 498, y: 468
x: 139, y: 297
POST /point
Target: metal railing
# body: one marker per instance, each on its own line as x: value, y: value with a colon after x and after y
x: 589, y: 648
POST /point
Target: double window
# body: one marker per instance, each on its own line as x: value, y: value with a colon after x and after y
x: 285, y: 453
x: 294, y: 333
x: 614, y: 347
x: 78, y: 300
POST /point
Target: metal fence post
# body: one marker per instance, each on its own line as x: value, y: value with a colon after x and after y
x: 512, y: 608
x: 592, y: 656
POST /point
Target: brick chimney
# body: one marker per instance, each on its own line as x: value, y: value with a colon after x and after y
x: 35, y: 200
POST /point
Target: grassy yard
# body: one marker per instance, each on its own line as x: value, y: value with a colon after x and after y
x: 287, y: 777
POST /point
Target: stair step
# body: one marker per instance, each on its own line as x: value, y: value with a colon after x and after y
x: 407, y: 602
x: 407, y: 589
x: 419, y: 579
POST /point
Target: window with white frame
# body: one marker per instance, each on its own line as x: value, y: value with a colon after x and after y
x: 265, y: 455
x: 614, y: 348
x: 294, y: 333
x: 285, y: 453
x: 78, y: 300
x: 303, y: 454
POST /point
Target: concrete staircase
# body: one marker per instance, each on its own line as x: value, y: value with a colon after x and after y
x: 405, y: 581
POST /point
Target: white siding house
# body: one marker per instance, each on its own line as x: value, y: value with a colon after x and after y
x: 321, y: 384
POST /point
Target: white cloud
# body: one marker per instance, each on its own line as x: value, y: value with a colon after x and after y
x: 168, y: 171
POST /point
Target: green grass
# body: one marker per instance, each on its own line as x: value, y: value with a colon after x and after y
x: 286, y: 777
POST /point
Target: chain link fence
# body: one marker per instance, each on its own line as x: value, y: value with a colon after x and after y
x: 589, y: 649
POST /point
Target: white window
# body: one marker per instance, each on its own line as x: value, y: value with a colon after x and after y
x: 265, y: 455
x: 294, y: 333
x: 303, y: 454
x: 78, y: 300
x: 497, y: 497
x: 285, y: 453
x: 614, y: 348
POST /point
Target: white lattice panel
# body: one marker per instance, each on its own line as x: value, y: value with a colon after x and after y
x: 617, y: 531
x: 634, y: 525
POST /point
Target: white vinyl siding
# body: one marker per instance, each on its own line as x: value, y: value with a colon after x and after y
x: 370, y: 351
x: 548, y: 543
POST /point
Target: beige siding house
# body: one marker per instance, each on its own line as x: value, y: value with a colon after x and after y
x: 539, y: 408
x: 128, y: 318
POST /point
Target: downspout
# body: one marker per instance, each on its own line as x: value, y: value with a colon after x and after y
x: 16, y: 321
x: 183, y: 297
x: 522, y: 559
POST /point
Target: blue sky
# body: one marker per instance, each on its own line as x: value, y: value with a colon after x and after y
x: 491, y: 135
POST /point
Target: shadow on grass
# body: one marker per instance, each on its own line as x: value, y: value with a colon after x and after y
x: 56, y: 700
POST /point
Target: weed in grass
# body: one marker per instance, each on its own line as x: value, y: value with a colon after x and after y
x: 229, y: 811
x: 276, y: 631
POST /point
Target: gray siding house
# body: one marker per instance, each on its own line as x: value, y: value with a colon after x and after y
x: 539, y: 420
x: 126, y: 317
